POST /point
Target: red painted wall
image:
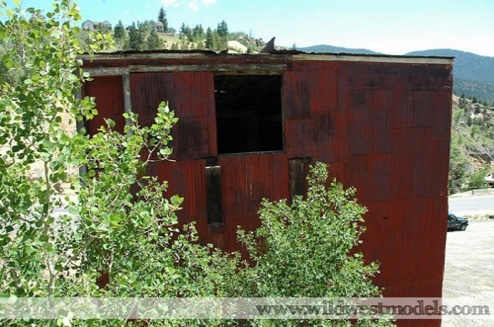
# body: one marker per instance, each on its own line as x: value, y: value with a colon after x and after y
x: 384, y: 127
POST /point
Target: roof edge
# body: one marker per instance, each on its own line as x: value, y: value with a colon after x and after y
x: 275, y: 55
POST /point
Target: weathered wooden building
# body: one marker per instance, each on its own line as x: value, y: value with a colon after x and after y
x: 250, y: 124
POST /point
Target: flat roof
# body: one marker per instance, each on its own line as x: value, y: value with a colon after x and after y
x: 288, y: 55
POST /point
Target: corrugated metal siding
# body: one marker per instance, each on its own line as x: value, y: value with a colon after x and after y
x: 383, y: 128
x: 193, y: 100
x: 191, y: 97
x: 108, y: 94
x: 246, y: 180
x: 397, y: 118
x: 187, y: 179
x: 147, y: 91
x: 310, y: 104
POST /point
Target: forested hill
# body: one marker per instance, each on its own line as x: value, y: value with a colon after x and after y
x: 322, y: 48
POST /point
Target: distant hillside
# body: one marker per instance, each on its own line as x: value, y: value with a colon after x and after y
x: 473, y: 74
x: 323, y: 48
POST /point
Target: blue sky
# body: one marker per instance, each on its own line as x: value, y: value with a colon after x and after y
x: 388, y: 26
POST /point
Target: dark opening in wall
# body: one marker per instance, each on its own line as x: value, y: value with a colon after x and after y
x: 248, y: 113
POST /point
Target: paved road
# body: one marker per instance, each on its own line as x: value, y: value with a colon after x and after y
x: 469, y: 272
x: 472, y: 205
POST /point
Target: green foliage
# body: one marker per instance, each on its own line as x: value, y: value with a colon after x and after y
x: 459, y: 166
x: 307, y: 248
x: 472, y: 142
x: 134, y: 42
x: 119, y: 33
x: 222, y: 29
x: 477, y: 179
x: 154, y: 41
x: 162, y: 19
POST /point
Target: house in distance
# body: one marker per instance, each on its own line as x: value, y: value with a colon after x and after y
x: 91, y: 25
x: 250, y: 124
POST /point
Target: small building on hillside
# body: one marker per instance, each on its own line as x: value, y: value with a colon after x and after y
x: 158, y: 27
x: 93, y: 25
x: 251, y: 124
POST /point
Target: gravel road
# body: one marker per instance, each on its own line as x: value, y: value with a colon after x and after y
x: 469, y: 272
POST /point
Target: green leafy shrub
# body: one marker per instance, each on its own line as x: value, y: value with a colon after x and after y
x: 308, y: 249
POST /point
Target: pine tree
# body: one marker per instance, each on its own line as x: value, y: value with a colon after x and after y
x: 198, y: 31
x: 222, y: 29
x: 133, y: 37
x: 163, y: 20
x: 154, y: 41
x: 209, y: 39
x: 119, y: 33
x: 143, y: 35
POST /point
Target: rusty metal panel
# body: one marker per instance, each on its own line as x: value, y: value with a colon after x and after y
x: 368, y: 119
x: 427, y: 77
x: 416, y: 109
x: 442, y: 106
x: 192, y: 139
x: 188, y: 180
x: 191, y: 97
x: 323, y: 85
x: 147, y: 91
x: 193, y: 94
x: 310, y: 100
x: 418, y: 169
x: 296, y: 95
x: 371, y: 175
x: 407, y: 239
x: 298, y: 137
x: 328, y: 137
x: 398, y: 131
x: 108, y: 94
x: 247, y: 179
x: 193, y: 101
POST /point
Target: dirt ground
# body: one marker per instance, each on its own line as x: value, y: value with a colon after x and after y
x: 469, y: 272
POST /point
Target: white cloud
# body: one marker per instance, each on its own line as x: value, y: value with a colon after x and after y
x: 192, y: 4
x: 168, y: 3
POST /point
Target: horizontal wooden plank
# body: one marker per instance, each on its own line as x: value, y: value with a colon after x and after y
x: 257, y: 69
